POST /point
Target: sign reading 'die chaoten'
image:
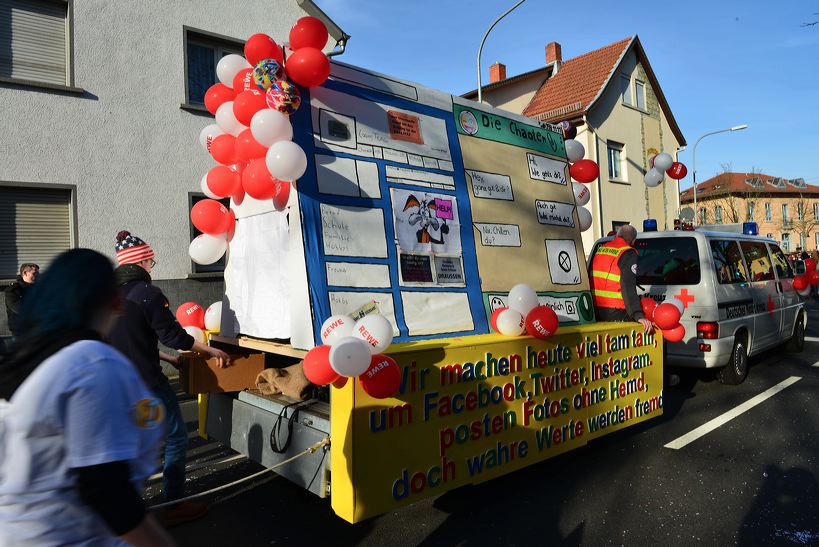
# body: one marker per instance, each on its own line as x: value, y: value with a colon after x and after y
x: 472, y: 409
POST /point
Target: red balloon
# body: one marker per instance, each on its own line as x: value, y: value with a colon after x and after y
x: 261, y: 46
x: 223, y: 149
x: 223, y: 181
x: 248, y: 148
x: 282, y: 195
x: 191, y: 314
x: 648, y: 305
x: 675, y: 334
x: 541, y: 322
x: 382, y: 379
x: 248, y: 103
x: 813, y: 277
x: 308, y: 67
x: 211, y: 217
x: 493, y: 319
x: 308, y: 32
x: 810, y: 265
x: 216, y: 95
x: 800, y: 282
x: 341, y: 382
x: 257, y: 181
x: 243, y: 81
x: 584, y: 171
x: 666, y: 316
x: 677, y: 171
x: 317, y: 367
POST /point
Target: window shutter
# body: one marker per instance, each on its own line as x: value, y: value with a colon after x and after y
x: 33, y: 41
x: 35, y: 226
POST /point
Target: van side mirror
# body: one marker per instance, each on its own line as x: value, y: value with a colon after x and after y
x: 799, y: 267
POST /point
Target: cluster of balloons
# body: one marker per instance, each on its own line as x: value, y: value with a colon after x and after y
x: 802, y: 283
x: 524, y: 315
x: 195, y: 320
x: 354, y: 348
x: 663, y: 164
x: 252, y: 138
x: 665, y: 316
x: 581, y: 170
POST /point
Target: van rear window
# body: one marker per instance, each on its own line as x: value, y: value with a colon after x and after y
x: 667, y: 261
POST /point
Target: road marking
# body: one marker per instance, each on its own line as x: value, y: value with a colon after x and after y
x: 710, y: 426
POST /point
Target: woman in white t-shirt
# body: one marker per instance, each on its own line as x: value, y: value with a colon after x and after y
x: 79, y: 431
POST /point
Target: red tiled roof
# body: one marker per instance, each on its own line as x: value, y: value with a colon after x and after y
x: 734, y: 183
x: 577, y: 82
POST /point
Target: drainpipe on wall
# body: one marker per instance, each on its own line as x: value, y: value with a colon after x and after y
x: 593, y: 133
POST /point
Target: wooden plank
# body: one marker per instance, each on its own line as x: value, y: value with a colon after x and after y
x: 266, y: 346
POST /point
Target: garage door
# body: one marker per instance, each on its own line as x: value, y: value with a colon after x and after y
x: 35, y: 226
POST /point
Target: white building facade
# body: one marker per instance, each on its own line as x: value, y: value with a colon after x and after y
x: 102, y: 109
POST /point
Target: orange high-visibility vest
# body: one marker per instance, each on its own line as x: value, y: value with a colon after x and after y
x: 605, y: 274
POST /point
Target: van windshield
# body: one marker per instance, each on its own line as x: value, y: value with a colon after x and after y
x: 667, y: 261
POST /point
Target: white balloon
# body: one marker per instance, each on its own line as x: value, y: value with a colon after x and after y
x: 197, y: 334
x: 213, y: 316
x: 581, y: 193
x: 336, y: 327
x: 228, y: 66
x: 584, y: 217
x: 350, y: 356
x: 574, y: 150
x: 653, y: 177
x: 662, y: 162
x: 522, y: 298
x: 268, y: 126
x: 286, y: 160
x: 511, y: 323
x: 677, y: 303
x: 806, y: 291
x: 375, y: 331
x: 208, y: 133
x: 206, y: 189
x: 207, y: 249
x: 227, y: 120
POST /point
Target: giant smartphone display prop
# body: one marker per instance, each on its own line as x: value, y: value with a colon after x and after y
x: 416, y: 204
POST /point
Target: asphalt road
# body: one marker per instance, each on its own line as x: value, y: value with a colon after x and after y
x: 752, y: 481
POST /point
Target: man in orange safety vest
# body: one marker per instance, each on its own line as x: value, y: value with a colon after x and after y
x: 614, y: 280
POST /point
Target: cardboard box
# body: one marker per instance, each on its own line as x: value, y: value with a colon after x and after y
x: 198, y: 374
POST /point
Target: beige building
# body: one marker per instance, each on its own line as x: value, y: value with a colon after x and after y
x: 784, y: 209
x: 613, y: 97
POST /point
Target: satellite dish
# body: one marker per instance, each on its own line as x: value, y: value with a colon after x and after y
x: 687, y: 213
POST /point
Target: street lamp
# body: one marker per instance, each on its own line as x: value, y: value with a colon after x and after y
x: 480, y: 49
x: 694, y: 159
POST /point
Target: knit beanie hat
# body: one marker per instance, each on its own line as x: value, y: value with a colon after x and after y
x: 131, y: 250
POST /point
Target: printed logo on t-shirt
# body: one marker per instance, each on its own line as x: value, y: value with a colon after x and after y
x: 148, y: 413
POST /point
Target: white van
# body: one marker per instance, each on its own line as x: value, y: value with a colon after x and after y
x: 738, y: 295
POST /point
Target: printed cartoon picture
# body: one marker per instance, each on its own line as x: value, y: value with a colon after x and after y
x: 426, y: 221
x: 423, y: 214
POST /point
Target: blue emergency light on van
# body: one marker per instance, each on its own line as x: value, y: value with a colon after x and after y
x: 750, y: 228
x: 650, y: 225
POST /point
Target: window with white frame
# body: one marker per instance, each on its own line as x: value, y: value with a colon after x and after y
x: 616, y: 156
x: 751, y: 206
x: 640, y: 94
x: 34, y: 42
x: 202, y: 53
x: 800, y: 211
x: 785, y: 216
x: 701, y: 212
x: 802, y: 241
x: 816, y: 211
x: 768, y: 212
x: 786, y: 242
x: 625, y: 89
x: 816, y: 240
x: 718, y: 214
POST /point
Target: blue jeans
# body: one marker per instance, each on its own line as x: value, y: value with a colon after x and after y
x: 176, y: 444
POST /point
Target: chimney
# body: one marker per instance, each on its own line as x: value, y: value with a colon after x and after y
x: 497, y: 72
x: 553, y: 53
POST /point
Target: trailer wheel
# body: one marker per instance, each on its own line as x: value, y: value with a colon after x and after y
x: 737, y: 369
x: 796, y: 343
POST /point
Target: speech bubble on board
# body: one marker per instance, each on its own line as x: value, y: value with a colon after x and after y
x: 498, y: 235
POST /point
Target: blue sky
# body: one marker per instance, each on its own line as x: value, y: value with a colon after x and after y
x: 719, y: 63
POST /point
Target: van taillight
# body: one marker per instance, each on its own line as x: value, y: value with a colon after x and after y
x: 707, y: 330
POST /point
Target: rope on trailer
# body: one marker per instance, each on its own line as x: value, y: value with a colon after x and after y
x: 309, y: 450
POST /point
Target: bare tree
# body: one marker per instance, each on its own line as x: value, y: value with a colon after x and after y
x: 803, y: 221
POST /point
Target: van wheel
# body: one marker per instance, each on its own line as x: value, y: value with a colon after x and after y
x: 796, y: 343
x: 737, y: 368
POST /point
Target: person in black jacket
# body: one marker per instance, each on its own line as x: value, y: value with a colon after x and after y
x: 145, y: 321
x: 16, y: 291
